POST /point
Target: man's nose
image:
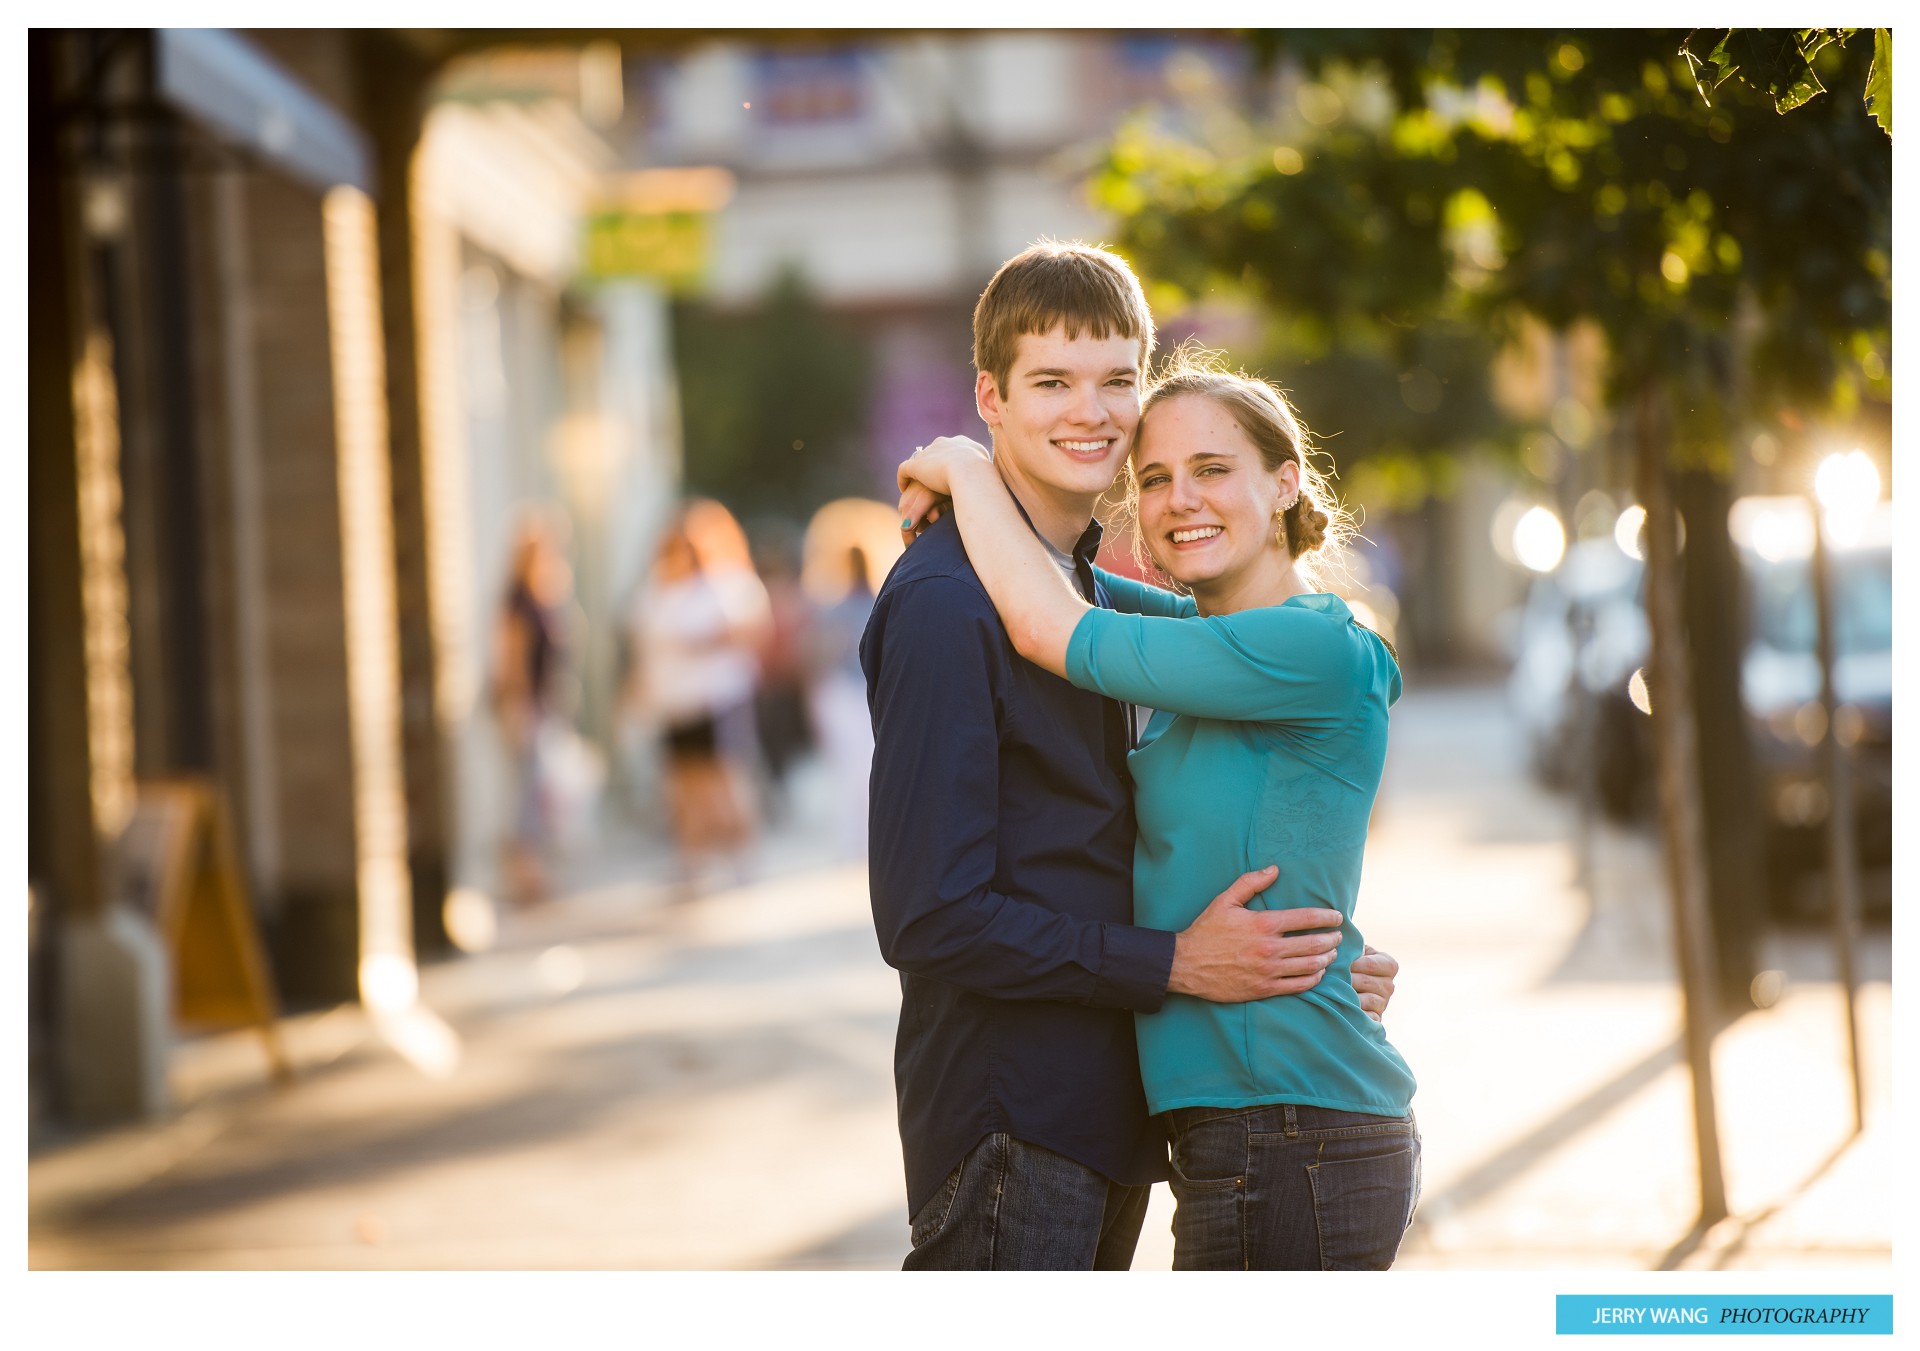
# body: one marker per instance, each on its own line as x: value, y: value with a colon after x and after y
x: 1087, y: 406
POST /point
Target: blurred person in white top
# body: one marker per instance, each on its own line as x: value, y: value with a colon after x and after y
x: 697, y: 625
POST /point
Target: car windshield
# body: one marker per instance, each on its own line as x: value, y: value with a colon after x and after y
x: 1783, y: 614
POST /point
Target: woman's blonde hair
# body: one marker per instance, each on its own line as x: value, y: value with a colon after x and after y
x: 1316, y: 523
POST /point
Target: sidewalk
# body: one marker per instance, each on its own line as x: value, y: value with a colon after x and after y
x: 644, y: 1084
x: 640, y: 1084
x: 1556, y: 1107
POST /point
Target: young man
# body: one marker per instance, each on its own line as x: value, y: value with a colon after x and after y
x: 1001, y: 844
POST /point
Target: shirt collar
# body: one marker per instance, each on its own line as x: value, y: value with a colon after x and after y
x: 1088, y: 544
x: 1084, y: 548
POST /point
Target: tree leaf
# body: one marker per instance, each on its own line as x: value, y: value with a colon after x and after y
x: 1776, y: 62
x: 1797, y: 74
x: 1797, y: 92
x: 1880, y: 80
x: 1713, y: 69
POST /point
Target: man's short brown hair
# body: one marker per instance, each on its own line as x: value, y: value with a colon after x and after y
x: 1087, y: 288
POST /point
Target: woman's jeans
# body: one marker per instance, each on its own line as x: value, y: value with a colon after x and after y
x: 1290, y: 1188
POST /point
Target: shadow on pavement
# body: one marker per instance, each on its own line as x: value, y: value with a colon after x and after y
x: 1540, y: 1144
x: 878, y: 1243
x: 1746, y: 1224
x: 654, y: 1076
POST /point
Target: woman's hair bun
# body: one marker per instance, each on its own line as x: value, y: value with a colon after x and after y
x: 1306, y: 526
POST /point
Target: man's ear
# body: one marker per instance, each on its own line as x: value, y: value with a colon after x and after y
x: 986, y: 398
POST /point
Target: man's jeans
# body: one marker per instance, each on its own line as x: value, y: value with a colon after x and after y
x: 1288, y: 1188
x: 1012, y: 1206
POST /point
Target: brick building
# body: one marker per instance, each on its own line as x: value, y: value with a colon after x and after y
x: 269, y: 498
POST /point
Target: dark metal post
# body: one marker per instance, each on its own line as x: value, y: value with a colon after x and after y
x: 1586, y: 737
x: 1843, y: 873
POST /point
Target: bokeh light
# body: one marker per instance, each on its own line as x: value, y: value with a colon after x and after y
x: 1539, y: 540
x: 388, y: 982
x: 1637, y: 691
x: 1627, y: 528
x: 1847, y: 483
x: 472, y: 925
x: 561, y: 969
x: 1847, y: 486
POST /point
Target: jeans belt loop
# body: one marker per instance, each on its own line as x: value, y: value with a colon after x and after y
x: 1292, y: 1124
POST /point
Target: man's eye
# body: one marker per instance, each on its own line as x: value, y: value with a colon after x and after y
x: 1051, y: 384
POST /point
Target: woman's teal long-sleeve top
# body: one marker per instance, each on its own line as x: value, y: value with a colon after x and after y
x: 1267, y: 745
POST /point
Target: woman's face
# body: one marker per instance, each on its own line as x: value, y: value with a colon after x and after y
x: 1207, y: 502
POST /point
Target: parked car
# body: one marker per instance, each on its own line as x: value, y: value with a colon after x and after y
x: 1577, y: 684
x: 1780, y: 686
x: 1581, y: 635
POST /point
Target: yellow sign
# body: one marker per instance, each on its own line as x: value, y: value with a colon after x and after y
x: 657, y: 224
x: 176, y: 862
x: 670, y: 247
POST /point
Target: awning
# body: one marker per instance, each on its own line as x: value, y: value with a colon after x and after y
x: 239, y: 92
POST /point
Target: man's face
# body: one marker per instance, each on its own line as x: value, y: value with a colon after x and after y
x: 1064, y: 425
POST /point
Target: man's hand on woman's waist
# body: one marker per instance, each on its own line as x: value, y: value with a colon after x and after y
x: 1373, y: 973
x: 1231, y: 954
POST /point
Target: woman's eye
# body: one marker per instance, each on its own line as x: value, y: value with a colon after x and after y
x: 1153, y: 480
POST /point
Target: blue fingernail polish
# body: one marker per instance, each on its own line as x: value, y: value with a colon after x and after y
x: 906, y: 524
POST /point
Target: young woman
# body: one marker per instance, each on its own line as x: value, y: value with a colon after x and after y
x: 529, y: 660
x: 1293, y: 1146
x: 696, y: 628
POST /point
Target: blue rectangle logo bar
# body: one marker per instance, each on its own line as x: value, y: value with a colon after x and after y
x: 1719, y: 1315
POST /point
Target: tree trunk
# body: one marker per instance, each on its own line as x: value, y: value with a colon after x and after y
x: 1676, y: 766
x: 1714, y: 602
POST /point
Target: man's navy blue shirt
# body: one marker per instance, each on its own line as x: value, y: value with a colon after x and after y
x: 1001, y: 871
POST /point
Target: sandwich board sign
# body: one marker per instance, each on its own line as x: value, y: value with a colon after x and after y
x: 175, y: 864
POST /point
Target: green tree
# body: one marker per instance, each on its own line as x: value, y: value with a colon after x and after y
x: 1309, y: 219
x: 1563, y: 175
x: 773, y: 402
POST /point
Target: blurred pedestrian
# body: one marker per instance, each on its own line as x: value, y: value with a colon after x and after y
x: 698, y: 625
x: 780, y: 705
x: 529, y: 654
x: 837, y: 695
